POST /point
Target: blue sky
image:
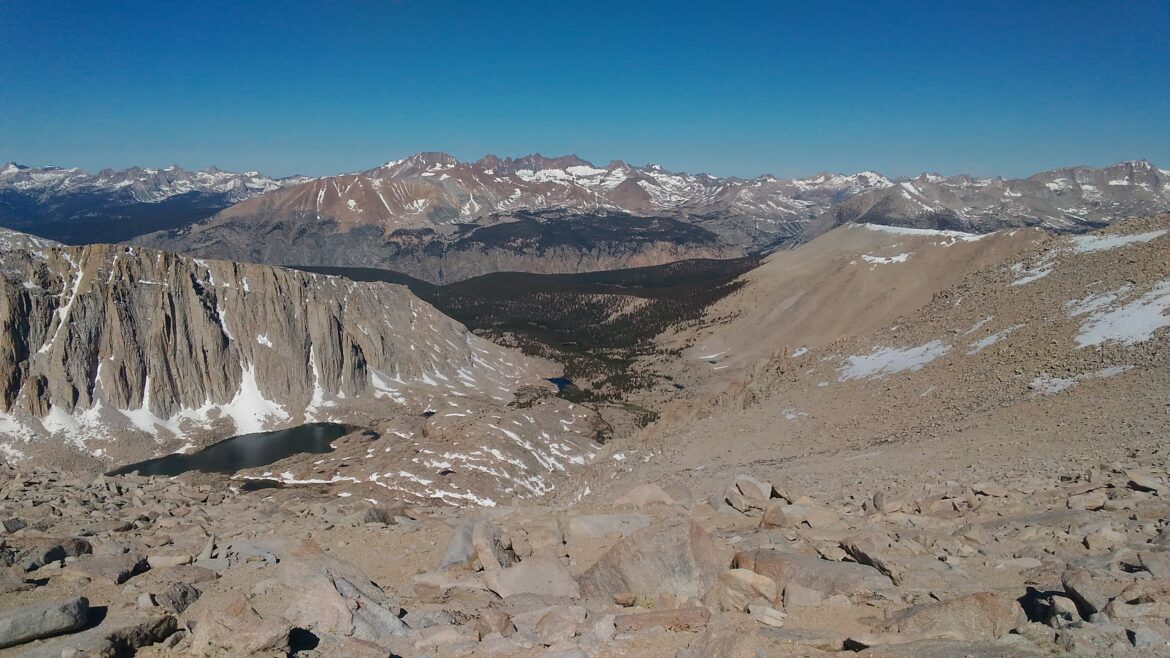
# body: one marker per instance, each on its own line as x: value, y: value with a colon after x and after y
x: 730, y: 88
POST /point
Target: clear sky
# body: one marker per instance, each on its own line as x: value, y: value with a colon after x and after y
x: 730, y: 88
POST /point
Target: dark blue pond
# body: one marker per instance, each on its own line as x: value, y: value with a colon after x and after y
x: 244, y: 451
x: 561, y: 382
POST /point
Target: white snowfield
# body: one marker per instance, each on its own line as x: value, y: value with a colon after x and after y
x: 1130, y: 323
x: 889, y: 360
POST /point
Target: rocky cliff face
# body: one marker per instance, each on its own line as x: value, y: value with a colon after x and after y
x: 103, y: 340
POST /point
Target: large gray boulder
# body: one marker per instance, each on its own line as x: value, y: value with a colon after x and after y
x: 114, y: 637
x: 30, y: 623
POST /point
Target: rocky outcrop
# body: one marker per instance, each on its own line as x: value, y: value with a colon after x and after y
x: 106, y: 337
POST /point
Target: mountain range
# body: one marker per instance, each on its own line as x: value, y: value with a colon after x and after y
x: 77, y: 207
x: 440, y: 219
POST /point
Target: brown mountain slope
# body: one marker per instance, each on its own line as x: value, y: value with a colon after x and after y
x: 1058, y: 343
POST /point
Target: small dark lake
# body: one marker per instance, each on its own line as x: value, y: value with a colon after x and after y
x: 244, y: 451
x: 561, y: 382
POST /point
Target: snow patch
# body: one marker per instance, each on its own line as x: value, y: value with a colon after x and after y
x: 1130, y: 323
x: 1085, y: 244
x: 889, y: 360
x: 880, y: 260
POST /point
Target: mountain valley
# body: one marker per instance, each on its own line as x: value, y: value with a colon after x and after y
x: 880, y: 428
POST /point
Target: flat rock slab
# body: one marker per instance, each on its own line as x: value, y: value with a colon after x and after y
x: 115, y: 569
x: 34, y: 622
x: 536, y: 575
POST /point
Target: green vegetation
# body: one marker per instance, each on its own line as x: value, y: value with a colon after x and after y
x: 597, y: 324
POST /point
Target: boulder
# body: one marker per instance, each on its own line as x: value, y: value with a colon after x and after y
x: 1156, y: 562
x: 29, y: 623
x: 739, y: 587
x: 545, y: 538
x: 167, y: 561
x: 476, y: 544
x: 1144, y: 482
x: 323, y: 594
x: 1082, y: 588
x: 118, y: 636
x: 459, y: 548
x: 114, y: 569
x: 978, y: 616
x: 544, y: 620
x: 774, y: 516
x: 177, y: 597
x: 12, y: 580
x: 44, y: 551
x: 235, y: 628
x: 11, y: 525
x: 754, y: 490
x: 873, y: 549
x: 544, y: 576
x: 494, y: 620
x: 671, y: 557
x: 814, y: 573
x: 560, y: 623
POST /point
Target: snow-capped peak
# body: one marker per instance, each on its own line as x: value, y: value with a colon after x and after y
x: 143, y: 184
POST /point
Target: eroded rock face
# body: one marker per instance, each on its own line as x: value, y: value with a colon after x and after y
x: 105, y: 337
